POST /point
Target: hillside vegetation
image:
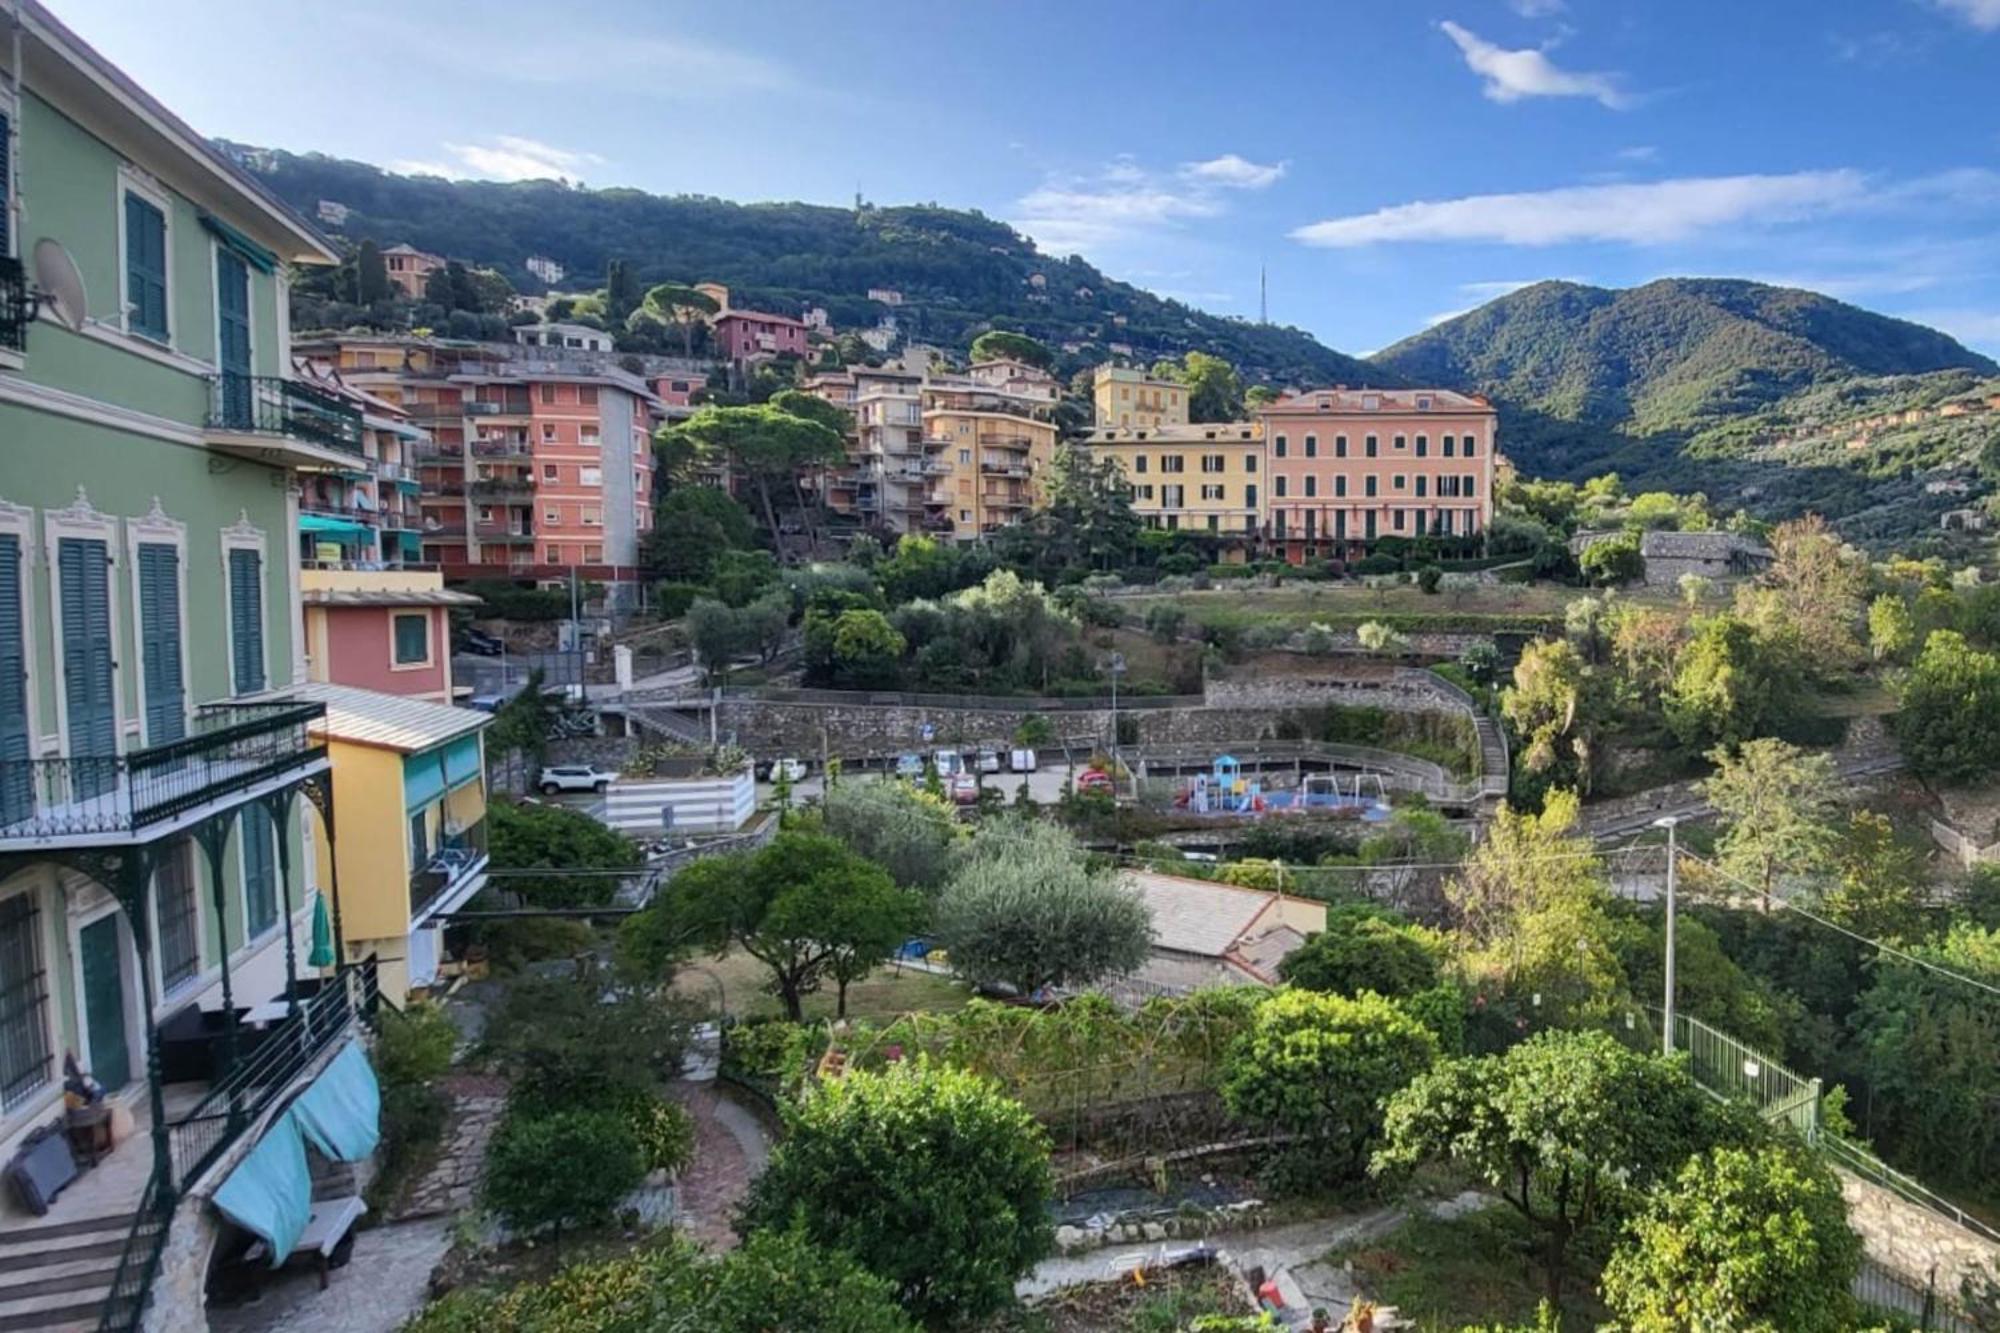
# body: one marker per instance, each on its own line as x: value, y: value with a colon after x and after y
x: 959, y: 272
x: 1752, y: 393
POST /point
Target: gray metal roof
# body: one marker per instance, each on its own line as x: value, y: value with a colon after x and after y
x: 391, y: 721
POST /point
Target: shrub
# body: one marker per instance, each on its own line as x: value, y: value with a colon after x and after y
x: 1429, y: 577
x: 415, y: 1046
x: 566, y: 1169
x: 662, y: 1129
x: 672, y: 600
x: 1164, y: 621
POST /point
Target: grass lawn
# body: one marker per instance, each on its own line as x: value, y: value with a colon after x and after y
x: 1475, y: 1269
x: 883, y: 994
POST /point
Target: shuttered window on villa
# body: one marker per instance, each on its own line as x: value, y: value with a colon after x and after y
x: 246, y: 620
x: 145, y: 268
x: 179, y: 913
x: 25, y: 1056
x: 160, y: 642
x: 260, y: 869
x: 6, y: 183
x: 17, y: 788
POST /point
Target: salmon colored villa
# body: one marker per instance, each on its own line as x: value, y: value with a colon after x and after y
x: 751, y: 335
x: 1351, y: 466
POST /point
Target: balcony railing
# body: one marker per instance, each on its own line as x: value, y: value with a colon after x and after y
x: 443, y: 531
x: 492, y: 407
x: 496, y: 536
x: 13, y: 306
x: 233, y: 747
x: 276, y: 1058
x: 268, y: 405
x: 505, y: 490
x: 462, y: 856
x: 490, y: 448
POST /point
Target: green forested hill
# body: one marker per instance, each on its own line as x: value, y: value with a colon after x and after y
x: 1734, y: 388
x: 959, y: 272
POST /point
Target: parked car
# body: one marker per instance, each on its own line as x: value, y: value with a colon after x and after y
x: 965, y: 789
x: 479, y: 643
x: 794, y: 770
x: 575, y: 777
x: 486, y: 703
x: 989, y: 759
x: 949, y: 763
x: 1022, y: 760
x: 1095, y: 780
x: 910, y: 766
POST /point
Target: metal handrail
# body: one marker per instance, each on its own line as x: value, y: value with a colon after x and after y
x: 14, y: 306
x: 272, y: 405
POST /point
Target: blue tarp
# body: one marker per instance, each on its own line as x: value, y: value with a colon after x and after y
x: 270, y: 1192
x: 341, y: 1113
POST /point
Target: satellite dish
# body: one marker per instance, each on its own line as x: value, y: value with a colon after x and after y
x: 58, y: 285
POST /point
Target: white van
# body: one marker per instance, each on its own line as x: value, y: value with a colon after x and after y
x: 948, y: 763
x: 1022, y: 760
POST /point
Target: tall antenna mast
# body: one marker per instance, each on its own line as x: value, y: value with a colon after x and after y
x: 1263, y: 295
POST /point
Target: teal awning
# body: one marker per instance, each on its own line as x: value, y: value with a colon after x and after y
x: 341, y: 1113
x: 423, y: 779
x: 318, y: 525
x: 253, y: 254
x: 270, y: 1192
x: 413, y: 544
x: 461, y: 760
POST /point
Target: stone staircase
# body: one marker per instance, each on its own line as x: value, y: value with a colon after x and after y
x: 56, y: 1277
x: 1492, y: 751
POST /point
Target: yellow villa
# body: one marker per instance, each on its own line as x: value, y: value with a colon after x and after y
x: 412, y: 776
x: 1206, y: 478
x: 1128, y: 399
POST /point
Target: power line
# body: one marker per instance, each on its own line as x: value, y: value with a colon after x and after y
x: 1879, y: 945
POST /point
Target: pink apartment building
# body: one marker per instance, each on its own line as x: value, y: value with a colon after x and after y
x: 751, y: 335
x: 1347, y: 467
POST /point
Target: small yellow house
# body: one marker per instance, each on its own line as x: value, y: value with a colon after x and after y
x: 409, y: 781
x: 1202, y: 478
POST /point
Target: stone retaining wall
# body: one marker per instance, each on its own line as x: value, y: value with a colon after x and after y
x: 1911, y: 1241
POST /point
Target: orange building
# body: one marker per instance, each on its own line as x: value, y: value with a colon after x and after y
x: 1347, y: 467
x: 540, y: 464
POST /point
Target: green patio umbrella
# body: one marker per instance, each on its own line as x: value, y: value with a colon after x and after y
x: 322, y: 949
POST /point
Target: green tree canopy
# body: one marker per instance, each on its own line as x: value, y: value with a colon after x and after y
x: 681, y: 307
x: 765, y: 443
x: 1613, y: 561
x: 927, y: 1175
x: 1726, y: 685
x: 1949, y: 723
x: 909, y: 834
x: 1568, y: 1127
x: 563, y: 1169
x: 1215, y: 392
x: 1025, y: 910
x: 552, y: 839
x: 1322, y: 1065
x: 1751, y: 1239
x: 1001, y: 345
x: 804, y: 906
x: 1776, y: 803
x: 1364, y: 948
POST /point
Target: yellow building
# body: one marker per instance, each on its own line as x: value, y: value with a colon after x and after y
x: 409, y: 781
x: 988, y: 451
x: 1201, y: 478
x: 1129, y: 399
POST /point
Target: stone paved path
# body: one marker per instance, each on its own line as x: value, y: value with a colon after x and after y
x: 386, y: 1282
x: 730, y: 1148
x: 452, y: 1184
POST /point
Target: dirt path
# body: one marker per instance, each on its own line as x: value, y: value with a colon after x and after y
x: 730, y: 1149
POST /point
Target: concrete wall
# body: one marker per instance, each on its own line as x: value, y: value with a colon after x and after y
x: 699, y: 805
x: 1909, y: 1240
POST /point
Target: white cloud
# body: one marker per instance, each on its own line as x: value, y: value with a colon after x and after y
x: 1537, y: 9
x: 506, y: 158
x: 1981, y: 14
x: 1238, y: 173
x: 1642, y: 214
x: 1638, y: 152
x: 1077, y: 214
x: 1513, y: 75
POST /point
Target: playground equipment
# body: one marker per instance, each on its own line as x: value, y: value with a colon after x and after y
x: 1324, y: 791
x: 1224, y: 790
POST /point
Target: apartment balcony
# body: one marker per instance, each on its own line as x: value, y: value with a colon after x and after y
x: 15, y: 310
x: 1004, y: 467
x: 1004, y: 500
x: 940, y: 498
x: 103, y: 800
x: 497, y: 407
x: 447, y: 530
x: 455, y: 871
x: 490, y: 447
x: 937, y: 467
x: 491, y: 535
x: 278, y: 420
x: 312, y: 504
x: 499, y: 490
x: 1006, y: 442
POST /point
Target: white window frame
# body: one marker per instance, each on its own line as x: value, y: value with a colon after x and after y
x: 590, y: 476
x: 205, y: 972
x: 551, y: 516
x: 81, y: 520
x: 131, y: 180
x: 430, y: 641
x: 243, y: 535
x: 593, y: 518
x: 155, y: 528
x: 20, y: 521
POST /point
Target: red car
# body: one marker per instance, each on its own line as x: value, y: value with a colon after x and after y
x: 1094, y: 780
x: 965, y: 789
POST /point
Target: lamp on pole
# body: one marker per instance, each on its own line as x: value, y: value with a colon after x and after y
x: 1117, y: 666
x: 1669, y: 823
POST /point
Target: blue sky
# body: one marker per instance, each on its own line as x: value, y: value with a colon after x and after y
x: 1391, y: 162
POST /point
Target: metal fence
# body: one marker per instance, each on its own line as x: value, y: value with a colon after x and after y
x: 1921, y: 1303
x: 1729, y: 1069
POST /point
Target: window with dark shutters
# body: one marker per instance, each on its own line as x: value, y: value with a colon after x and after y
x: 6, y: 183
x: 260, y: 869
x: 145, y: 269
x: 246, y: 620
x: 83, y: 569
x: 160, y: 642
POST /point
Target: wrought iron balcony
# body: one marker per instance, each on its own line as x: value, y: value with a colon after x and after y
x: 452, y: 868
x: 269, y: 405
x: 14, y: 306
x: 504, y: 490
x: 499, y: 536
x: 101, y: 799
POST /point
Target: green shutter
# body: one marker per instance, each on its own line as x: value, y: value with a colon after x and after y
x: 83, y: 566
x: 17, y: 790
x: 412, y: 638
x: 246, y: 620
x: 145, y: 268
x: 232, y: 306
x: 6, y: 180
x: 160, y: 642
x: 260, y: 870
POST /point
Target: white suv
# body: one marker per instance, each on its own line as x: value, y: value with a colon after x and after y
x: 575, y: 777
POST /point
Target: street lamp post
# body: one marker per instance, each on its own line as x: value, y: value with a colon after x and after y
x: 1669, y: 823
x: 1117, y: 670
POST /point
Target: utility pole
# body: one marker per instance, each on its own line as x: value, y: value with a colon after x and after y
x: 1669, y: 823
x: 1263, y: 295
